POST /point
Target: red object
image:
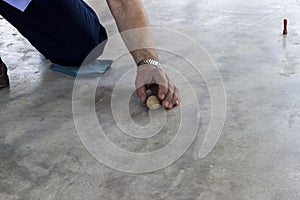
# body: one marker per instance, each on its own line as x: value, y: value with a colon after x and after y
x: 285, y: 26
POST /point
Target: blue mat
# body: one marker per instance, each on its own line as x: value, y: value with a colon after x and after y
x: 93, y: 69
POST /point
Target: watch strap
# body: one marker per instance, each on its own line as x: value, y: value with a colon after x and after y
x: 149, y: 61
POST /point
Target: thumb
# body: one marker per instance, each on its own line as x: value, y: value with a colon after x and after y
x: 141, y: 92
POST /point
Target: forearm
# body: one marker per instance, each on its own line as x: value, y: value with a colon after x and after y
x: 133, y: 24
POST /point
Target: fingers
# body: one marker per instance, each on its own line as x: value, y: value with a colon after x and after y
x: 159, y: 83
x: 176, y: 98
x: 141, y: 87
x: 162, y: 92
x: 172, y: 98
x: 167, y: 91
x: 141, y: 92
x: 163, y: 84
x: 162, y: 80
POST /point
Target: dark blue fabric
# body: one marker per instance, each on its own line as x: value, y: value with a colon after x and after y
x: 64, y: 31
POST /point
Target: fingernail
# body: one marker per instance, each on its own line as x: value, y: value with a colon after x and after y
x: 167, y: 104
x: 162, y: 97
x: 177, y: 102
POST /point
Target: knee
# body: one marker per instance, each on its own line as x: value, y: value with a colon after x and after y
x: 90, y: 47
x: 81, y: 48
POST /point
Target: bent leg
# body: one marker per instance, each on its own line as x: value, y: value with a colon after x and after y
x: 64, y: 31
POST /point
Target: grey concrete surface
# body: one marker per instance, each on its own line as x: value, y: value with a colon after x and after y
x: 257, y: 156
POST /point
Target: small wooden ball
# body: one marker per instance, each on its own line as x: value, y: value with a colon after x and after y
x: 153, y: 103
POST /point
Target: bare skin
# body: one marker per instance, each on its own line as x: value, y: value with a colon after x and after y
x: 129, y: 15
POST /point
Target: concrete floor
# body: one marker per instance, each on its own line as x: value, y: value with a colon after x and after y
x: 257, y: 156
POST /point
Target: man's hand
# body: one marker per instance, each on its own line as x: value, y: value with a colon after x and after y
x: 130, y: 15
x: 151, y: 78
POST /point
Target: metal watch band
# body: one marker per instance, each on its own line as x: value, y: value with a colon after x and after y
x: 149, y: 62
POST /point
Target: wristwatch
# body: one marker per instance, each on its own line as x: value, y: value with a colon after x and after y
x: 149, y: 61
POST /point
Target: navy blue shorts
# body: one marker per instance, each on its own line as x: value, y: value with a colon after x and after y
x: 64, y: 31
